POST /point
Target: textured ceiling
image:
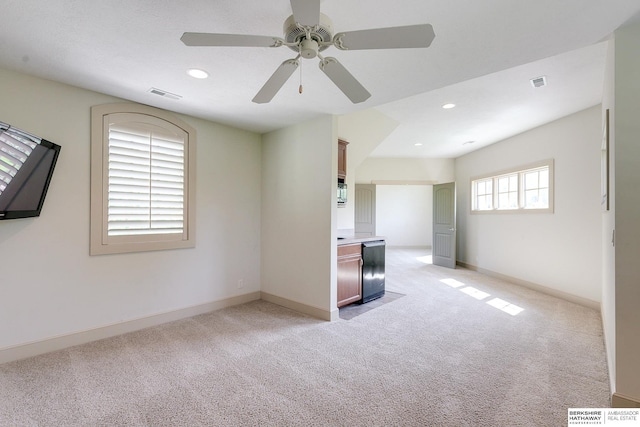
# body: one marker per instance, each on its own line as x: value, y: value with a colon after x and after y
x: 482, y: 59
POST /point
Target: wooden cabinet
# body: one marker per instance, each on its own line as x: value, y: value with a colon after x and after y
x: 342, y: 159
x: 349, y: 274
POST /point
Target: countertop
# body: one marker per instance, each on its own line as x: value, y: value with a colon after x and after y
x: 350, y: 240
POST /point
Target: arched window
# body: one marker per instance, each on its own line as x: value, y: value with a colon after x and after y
x: 142, y: 180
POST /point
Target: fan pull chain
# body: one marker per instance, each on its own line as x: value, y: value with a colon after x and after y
x: 300, y: 88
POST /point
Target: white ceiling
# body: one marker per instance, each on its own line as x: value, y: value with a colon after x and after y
x: 482, y: 58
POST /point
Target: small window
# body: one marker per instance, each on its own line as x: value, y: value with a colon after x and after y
x: 508, y: 191
x: 484, y: 194
x: 142, y: 180
x: 523, y: 189
x: 536, y: 189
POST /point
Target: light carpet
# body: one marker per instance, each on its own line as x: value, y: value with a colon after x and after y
x: 437, y: 356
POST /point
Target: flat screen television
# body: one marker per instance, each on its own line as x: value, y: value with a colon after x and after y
x: 26, y: 166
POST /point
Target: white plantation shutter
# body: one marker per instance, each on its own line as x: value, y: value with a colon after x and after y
x: 142, y: 180
x: 146, y: 191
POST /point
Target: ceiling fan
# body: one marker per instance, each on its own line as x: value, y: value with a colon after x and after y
x: 309, y: 32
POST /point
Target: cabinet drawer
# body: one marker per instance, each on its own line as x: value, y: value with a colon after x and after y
x: 346, y: 250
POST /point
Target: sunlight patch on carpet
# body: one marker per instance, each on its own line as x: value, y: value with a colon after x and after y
x: 452, y: 282
x: 498, y: 303
x: 505, y: 306
x: 476, y: 293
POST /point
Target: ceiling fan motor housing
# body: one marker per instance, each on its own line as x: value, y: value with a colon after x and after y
x: 294, y: 33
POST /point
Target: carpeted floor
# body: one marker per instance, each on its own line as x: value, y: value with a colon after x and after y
x: 441, y: 355
x: 356, y: 309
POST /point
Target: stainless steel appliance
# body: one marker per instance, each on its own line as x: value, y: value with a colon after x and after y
x: 373, y: 255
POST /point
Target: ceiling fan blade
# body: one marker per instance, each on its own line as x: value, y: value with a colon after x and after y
x: 306, y: 12
x: 411, y: 36
x: 210, y: 39
x: 276, y: 81
x: 344, y: 80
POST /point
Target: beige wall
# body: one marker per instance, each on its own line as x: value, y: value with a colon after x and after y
x: 404, y: 215
x: 51, y: 287
x: 626, y: 125
x: 364, y: 131
x: 608, y: 307
x: 432, y: 171
x: 560, y: 251
x: 299, y: 184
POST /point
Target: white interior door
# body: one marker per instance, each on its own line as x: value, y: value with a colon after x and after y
x: 365, y: 210
x: 444, y: 225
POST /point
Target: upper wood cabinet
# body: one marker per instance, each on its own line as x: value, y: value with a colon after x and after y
x: 342, y: 159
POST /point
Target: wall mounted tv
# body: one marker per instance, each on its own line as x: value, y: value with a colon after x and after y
x: 26, y: 167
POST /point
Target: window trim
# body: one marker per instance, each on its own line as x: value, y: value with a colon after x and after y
x: 100, y: 243
x: 549, y: 163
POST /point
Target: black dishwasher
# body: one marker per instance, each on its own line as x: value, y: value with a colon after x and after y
x: 372, y: 270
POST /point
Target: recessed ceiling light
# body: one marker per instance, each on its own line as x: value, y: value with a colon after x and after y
x: 418, y: 144
x: 198, y: 74
x: 448, y: 106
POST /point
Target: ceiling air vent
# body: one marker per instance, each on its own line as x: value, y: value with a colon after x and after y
x: 539, y: 81
x: 164, y: 93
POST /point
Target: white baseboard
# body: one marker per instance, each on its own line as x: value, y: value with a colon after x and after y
x: 621, y: 401
x: 35, y: 348
x: 301, y: 308
x: 545, y: 290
